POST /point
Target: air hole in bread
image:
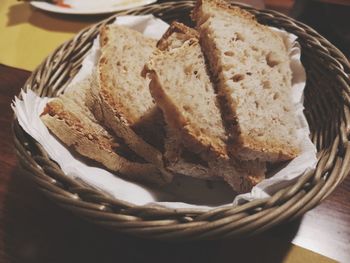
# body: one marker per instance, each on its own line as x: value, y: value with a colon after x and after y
x: 227, y: 67
x: 276, y: 96
x: 256, y: 104
x: 266, y: 84
x: 202, y: 130
x: 238, y: 77
x: 229, y: 53
x: 246, y: 54
x: 272, y: 59
x: 285, y: 109
x: 103, y: 60
x: 249, y: 73
x: 188, y: 69
x: 105, y: 40
x: 238, y: 37
x: 187, y: 108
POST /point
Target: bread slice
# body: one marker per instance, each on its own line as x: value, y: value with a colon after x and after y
x: 251, y: 65
x: 182, y: 88
x: 121, y: 100
x: 177, y: 157
x: 70, y: 120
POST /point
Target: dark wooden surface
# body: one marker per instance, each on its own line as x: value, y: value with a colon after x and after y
x: 32, y: 229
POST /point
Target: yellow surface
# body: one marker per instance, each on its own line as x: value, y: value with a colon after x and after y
x: 298, y: 254
x: 271, y: 247
x: 28, y: 35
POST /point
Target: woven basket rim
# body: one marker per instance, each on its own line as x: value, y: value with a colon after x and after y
x: 165, y: 223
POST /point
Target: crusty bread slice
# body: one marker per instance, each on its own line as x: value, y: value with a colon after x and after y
x: 121, y: 99
x: 177, y: 157
x: 182, y: 88
x: 251, y: 64
x: 69, y: 119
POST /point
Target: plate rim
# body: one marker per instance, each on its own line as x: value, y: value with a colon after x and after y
x: 70, y: 11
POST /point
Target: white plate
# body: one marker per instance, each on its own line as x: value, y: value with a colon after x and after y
x: 91, y: 7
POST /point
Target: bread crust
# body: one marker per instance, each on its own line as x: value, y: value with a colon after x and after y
x: 242, y: 144
x: 178, y: 31
x: 111, y: 117
x: 96, y: 144
x: 113, y: 111
x: 219, y: 164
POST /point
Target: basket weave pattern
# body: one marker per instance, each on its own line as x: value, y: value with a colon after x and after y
x: 327, y: 101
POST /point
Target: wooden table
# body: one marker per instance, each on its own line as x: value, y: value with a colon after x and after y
x: 33, y: 229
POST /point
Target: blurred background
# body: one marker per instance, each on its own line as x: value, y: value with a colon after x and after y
x: 29, y: 34
x: 331, y: 18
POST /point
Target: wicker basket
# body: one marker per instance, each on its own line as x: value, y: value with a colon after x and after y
x: 327, y: 101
